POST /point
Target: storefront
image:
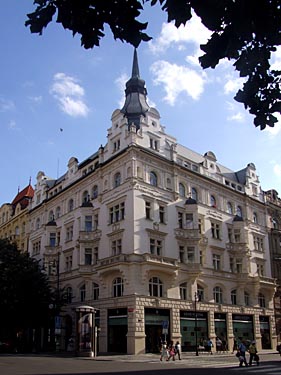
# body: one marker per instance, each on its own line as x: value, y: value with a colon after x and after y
x: 188, y: 323
x: 221, y: 329
x: 157, y: 328
x: 265, y: 332
x: 243, y: 327
x: 117, y: 330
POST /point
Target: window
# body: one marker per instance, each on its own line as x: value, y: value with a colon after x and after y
x: 190, y: 254
x: 229, y: 208
x: 258, y: 243
x: 96, y: 221
x: 239, y: 211
x: 116, y: 145
x: 215, y: 229
x: 217, y: 294
x: 69, y: 233
x: 255, y: 218
x: 88, y: 256
x: 88, y: 223
x: 37, y: 225
x: 239, y: 264
x: 246, y: 298
x: 85, y: 197
x: 183, y: 291
x: 189, y: 221
x: 70, y: 205
x: 261, y: 300
x: 117, y: 179
x: 213, y: 201
x: 118, y: 287
x: 52, y: 242
x: 58, y: 212
x: 68, y: 263
x: 237, y: 236
x: 95, y: 192
x: 180, y: 220
x: 194, y: 194
x: 36, y: 247
x: 82, y: 292
x: 260, y: 269
x: 51, y: 216
x: 153, y: 144
x: 95, y: 255
x: 200, y: 293
x: 155, y: 246
x: 181, y: 254
x: 181, y: 190
x: 117, y: 213
x: 234, y: 297
x: 216, y: 262
x: 148, y: 210
x: 95, y: 291
x: 162, y: 214
x: 231, y: 264
x: 229, y: 233
x: 116, y: 247
x: 153, y: 179
x: 68, y: 294
x: 155, y: 287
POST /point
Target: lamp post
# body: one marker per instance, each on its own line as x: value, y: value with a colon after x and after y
x: 196, y: 328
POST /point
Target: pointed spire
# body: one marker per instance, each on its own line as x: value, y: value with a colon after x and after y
x: 135, y: 104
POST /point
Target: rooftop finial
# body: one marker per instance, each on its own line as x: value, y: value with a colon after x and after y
x: 135, y: 69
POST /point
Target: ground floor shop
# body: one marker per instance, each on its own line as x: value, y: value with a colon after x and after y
x: 140, y: 325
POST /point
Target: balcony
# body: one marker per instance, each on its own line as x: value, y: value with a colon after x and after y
x: 86, y: 236
x: 187, y: 234
x: 85, y: 269
x: 238, y: 247
x: 192, y: 269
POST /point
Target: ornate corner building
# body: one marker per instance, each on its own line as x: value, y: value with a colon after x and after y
x: 163, y: 242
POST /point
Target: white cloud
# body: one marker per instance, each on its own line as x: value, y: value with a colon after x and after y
x: 276, y: 59
x: 277, y: 127
x: 177, y: 79
x: 193, y: 32
x: 232, y: 85
x: 69, y: 94
x: 6, y: 105
x: 234, y: 112
x: 277, y: 170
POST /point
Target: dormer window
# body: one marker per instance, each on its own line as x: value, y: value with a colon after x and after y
x: 153, y: 179
x: 116, y: 145
x: 117, y: 179
x: 213, y: 201
x: 154, y: 144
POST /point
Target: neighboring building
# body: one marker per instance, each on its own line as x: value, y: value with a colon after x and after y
x: 144, y: 226
x: 14, y: 219
x: 274, y: 224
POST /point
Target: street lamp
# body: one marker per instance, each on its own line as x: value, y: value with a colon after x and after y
x: 196, y: 328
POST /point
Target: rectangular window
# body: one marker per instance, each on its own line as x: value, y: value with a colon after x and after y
x: 155, y: 247
x: 88, y: 256
x: 153, y: 144
x: 260, y: 269
x: 117, y: 213
x: 215, y: 229
x: 216, y: 262
x: 258, y: 243
x: 96, y: 221
x: 162, y: 214
x: 116, y: 247
x: 69, y: 233
x: 68, y: 263
x: 237, y: 237
x: 190, y: 254
x: 147, y: 210
x: 95, y: 255
x: 88, y: 223
x: 229, y: 233
x: 231, y: 264
x: 52, y: 239
x: 181, y: 252
x: 180, y: 220
x: 239, y: 263
x: 189, y: 221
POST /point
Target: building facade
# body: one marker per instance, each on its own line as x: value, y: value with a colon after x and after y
x: 163, y: 242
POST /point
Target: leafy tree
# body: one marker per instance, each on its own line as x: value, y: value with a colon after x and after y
x: 243, y: 31
x: 24, y: 291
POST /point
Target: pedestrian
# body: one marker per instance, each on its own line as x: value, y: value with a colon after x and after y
x: 172, y: 352
x: 164, y: 351
x: 209, y: 346
x: 218, y: 345
x: 178, y: 349
x: 242, y: 354
x: 253, y: 354
x: 235, y: 347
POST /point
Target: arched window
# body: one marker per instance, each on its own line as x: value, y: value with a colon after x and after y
x: 153, y: 179
x: 183, y: 291
x: 68, y: 294
x: 70, y: 205
x: 51, y: 216
x: 229, y: 208
x: 217, y: 294
x: 181, y: 190
x: 155, y: 287
x: 85, y: 197
x: 117, y: 179
x: 95, y: 192
x: 213, y: 201
x: 261, y: 300
x: 58, y: 212
x: 255, y: 218
x: 118, y: 287
x: 194, y: 194
x: 246, y: 298
x: 239, y: 211
x: 234, y: 297
x: 82, y: 291
x: 95, y: 291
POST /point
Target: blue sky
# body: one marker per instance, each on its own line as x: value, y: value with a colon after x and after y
x: 50, y: 82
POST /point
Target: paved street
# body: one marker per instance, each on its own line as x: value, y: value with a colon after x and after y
x: 142, y: 365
